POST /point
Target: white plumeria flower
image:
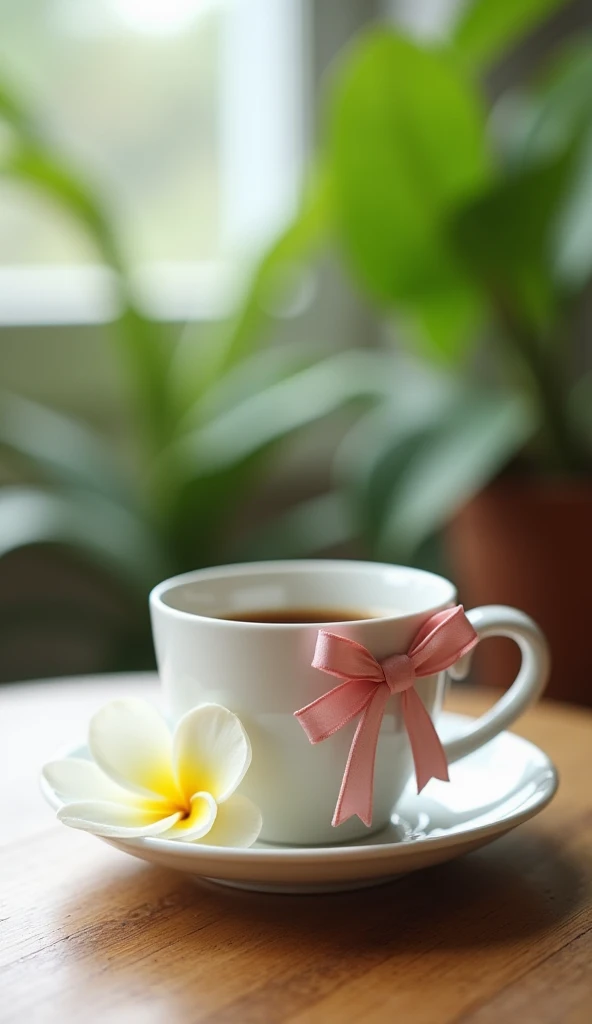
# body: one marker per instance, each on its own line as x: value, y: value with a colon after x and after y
x: 145, y: 781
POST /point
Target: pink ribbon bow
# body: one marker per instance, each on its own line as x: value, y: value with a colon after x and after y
x: 366, y: 687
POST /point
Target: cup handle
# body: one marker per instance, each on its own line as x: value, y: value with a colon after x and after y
x: 499, y: 620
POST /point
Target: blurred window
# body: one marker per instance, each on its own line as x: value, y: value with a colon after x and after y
x: 186, y: 114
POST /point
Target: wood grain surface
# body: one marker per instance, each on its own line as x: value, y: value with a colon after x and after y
x: 88, y: 934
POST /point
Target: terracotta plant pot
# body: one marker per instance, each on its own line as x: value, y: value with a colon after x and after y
x: 528, y: 543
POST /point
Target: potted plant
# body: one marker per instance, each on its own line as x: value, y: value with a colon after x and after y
x: 470, y: 228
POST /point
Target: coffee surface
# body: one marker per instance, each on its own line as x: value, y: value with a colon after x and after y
x: 299, y: 615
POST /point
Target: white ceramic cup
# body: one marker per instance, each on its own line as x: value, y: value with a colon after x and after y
x: 263, y: 672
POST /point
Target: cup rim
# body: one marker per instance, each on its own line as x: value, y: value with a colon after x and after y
x: 157, y: 602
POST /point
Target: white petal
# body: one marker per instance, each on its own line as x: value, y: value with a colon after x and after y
x: 238, y: 823
x: 75, y: 778
x: 131, y: 742
x: 211, y: 752
x: 199, y: 821
x: 116, y: 821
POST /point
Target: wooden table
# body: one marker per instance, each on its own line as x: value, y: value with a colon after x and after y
x: 88, y: 934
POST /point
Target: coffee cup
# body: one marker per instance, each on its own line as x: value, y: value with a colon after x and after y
x: 239, y: 636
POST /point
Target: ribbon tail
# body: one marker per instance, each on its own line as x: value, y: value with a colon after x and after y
x: 428, y: 753
x: 335, y: 708
x: 357, y: 787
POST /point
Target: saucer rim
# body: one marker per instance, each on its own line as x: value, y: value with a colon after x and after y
x: 348, y: 852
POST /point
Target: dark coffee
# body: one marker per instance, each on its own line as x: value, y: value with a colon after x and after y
x: 299, y: 615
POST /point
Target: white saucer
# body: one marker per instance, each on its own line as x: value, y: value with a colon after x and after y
x: 491, y: 791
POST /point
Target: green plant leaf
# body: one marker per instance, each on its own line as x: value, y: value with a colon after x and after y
x: 443, y: 324
x: 417, y: 400
x: 486, y: 28
x: 37, y: 166
x: 261, y: 420
x: 564, y: 113
x: 251, y: 376
x: 571, y: 240
x: 441, y: 468
x: 272, y: 277
x: 505, y: 237
x: 32, y: 161
x: 553, y: 120
x: 15, y: 113
x: 556, y: 113
x: 183, y: 480
x: 60, y: 448
x: 102, y: 531
x: 142, y: 347
x: 406, y: 148
x: 214, y: 464
x: 311, y: 527
x: 383, y: 440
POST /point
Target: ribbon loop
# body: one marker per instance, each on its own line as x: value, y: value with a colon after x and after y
x: 365, y: 689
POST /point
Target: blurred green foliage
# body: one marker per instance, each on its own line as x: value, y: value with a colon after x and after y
x: 208, y: 413
x: 470, y: 229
